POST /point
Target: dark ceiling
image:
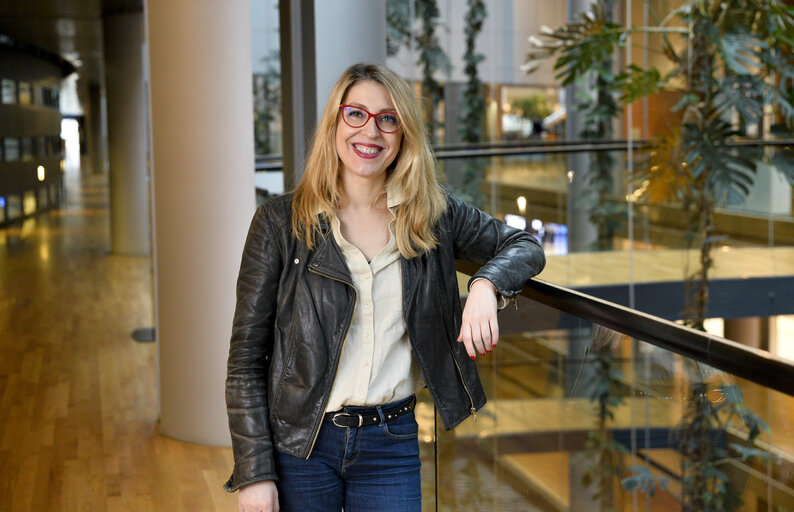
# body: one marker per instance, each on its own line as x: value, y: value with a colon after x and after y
x: 69, y: 28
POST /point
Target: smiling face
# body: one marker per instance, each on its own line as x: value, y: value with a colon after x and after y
x: 366, y: 152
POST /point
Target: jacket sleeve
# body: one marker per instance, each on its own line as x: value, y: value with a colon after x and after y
x: 250, y: 353
x: 509, y: 256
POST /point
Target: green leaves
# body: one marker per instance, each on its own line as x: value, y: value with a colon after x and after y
x: 596, y: 45
x: 581, y: 45
x: 398, y: 25
x: 636, y: 83
x: 728, y: 172
x: 473, y: 107
x: 741, y: 52
x: 641, y: 479
x: 745, y: 94
x: 748, y: 452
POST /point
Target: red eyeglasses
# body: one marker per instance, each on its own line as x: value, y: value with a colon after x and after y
x: 356, y: 117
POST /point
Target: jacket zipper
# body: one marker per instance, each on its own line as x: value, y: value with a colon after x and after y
x: 472, y: 410
x: 336, y: 366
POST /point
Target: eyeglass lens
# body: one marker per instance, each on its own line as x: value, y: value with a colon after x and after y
x: 357, y: 117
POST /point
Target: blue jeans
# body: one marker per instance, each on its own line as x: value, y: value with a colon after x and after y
x: 374, y: 467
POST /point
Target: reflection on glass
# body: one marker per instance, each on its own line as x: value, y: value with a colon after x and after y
x: 581, y: 417
x: 29, y: 202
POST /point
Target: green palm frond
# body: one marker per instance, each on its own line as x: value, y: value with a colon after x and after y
x: 581, y: 44
x: 779, y: 20
x: 637, y: 83
x: 728, y: 171
x: 745, y: 93
x: 784, y: 102
x: 741, y: 52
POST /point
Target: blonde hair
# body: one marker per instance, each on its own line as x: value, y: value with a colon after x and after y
x: 412, y: 176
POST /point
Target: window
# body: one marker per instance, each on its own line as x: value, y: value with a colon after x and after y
x: 49, y: 97
x: 25, y: 93
x: 9, y: 91
x: 27, y: 148
x: 11, y: 149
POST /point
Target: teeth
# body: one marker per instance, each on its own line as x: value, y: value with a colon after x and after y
x: 367, y: 150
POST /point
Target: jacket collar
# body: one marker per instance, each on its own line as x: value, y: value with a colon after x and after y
x: 327, y: 258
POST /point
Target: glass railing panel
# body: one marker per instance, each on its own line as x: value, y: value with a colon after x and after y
x: 640, y: 219
x: 425, y: 417
x: 543, y: 194
x: 581, y: 417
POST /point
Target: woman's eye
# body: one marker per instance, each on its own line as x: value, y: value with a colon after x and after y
x: 388, y: 119
x: 355, y: 113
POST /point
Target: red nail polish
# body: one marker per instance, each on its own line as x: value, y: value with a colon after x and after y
x: 489, y: 351
x: 473, y: 358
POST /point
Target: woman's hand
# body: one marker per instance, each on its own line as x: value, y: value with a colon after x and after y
x: 479, y: 330
x: 258, y: 497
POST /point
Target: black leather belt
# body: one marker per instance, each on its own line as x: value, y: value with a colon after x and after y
x: 368, y: 416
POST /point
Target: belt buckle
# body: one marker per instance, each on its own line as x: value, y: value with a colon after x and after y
x: 333, y: 418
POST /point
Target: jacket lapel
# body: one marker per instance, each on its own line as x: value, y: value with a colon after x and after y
x: 411, y: 274
x: 328, y: 259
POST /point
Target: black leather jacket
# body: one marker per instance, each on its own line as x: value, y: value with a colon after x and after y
x: 294, y: 307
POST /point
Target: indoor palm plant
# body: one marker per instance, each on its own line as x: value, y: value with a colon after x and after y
x: 730, y: 61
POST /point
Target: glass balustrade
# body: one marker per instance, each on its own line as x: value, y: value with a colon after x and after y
x: 584, y: 418
x: 636, y: 232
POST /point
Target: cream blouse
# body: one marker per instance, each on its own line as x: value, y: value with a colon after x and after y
x: 376, y: 365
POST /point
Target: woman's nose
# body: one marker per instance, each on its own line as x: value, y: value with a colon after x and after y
x: 371, y: 127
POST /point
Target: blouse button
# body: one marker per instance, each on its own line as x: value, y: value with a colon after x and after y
x: 297, y: 261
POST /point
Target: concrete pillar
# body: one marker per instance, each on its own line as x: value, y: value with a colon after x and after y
x: 338, y: 48
x: 130, y: 231
x: 581, y: 232
x: 298, y: 89
x: 97, y: 129
x: 751, y: 331
x: 203, y: 189
x: 315, y: 50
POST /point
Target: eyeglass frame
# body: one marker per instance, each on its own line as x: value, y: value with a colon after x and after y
x: 370, y: 115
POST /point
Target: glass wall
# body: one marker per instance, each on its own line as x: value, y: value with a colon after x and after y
x: 627, y: 216
x: 580, y: 417
x: 266, y: 79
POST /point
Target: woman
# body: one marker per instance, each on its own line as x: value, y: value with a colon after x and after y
x: 347, y: 302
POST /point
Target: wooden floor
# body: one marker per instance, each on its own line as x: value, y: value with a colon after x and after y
x: 78, y: 397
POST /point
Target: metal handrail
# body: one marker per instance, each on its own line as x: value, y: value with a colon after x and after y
x: 485, y: 149
x: 749, y: 363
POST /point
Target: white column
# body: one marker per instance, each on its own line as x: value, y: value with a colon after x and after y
x: 752, y: 331
x: 96, y: 129
x: 581, y: 231
x: 316, y: 47
x: 338, y: 47
x: 203, y: 172
x: 130, y: 231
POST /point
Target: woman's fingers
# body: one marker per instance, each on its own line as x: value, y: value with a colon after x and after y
x: 477, y: 337
x: 494, y: 325
x: 480, y: 329
x: 465, y: 338
x: 258, y: 497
